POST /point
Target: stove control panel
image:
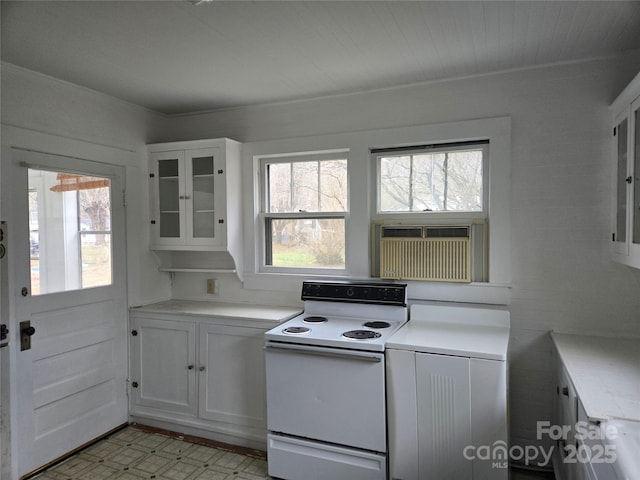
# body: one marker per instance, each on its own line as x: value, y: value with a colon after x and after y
x: 394, y: 294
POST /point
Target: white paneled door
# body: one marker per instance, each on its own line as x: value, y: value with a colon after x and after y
x: 71, y: 288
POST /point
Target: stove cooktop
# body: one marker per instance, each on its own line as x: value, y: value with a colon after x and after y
x: 357, y: 315
x: 332, y: 331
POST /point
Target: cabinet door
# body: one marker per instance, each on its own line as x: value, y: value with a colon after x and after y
x: 168, y: 190
x: 402, y: 412
x: 621, y: 145
x: 634, y: 175
x: 163, y: 364
x: 489, y: 417
x: 444, y: 416
x: 205, y: 197
x: 232, y: 375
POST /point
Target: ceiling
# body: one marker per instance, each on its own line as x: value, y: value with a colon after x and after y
x: 177, y: 57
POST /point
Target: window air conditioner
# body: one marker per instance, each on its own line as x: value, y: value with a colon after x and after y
x: 437, y: 253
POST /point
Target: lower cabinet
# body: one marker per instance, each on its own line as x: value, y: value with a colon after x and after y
x: 447, y: 417
x: 580, y: 452
x: 201, y: 377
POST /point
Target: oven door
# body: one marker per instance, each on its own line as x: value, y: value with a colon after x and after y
x: 327, y: 394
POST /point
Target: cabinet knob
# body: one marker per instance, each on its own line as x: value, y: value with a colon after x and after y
x: 221, y: 220
x: 565, y: 391
x: 190, y: 367
x: 629, y: 179
x: 202, y: 368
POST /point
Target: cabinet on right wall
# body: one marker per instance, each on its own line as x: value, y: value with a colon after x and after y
x: 626, y: 189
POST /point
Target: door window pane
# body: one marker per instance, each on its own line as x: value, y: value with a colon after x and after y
x: 203, y: 197
x: 169, y: 198
x: 69, y: 231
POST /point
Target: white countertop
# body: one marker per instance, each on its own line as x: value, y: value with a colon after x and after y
x: 222, y: 309
x: 455, y: 330
x: 605, y: 373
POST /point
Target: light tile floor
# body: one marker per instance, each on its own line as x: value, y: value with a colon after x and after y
x: 136, y: 454
x: 133, y: 454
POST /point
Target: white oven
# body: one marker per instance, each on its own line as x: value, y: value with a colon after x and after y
x: 326, y: 409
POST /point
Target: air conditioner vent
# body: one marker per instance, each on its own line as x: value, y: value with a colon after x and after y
x: 401, y: 232
x: 437, y: 253
x: 447, y: 232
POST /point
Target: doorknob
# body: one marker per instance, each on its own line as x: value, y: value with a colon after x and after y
x: 26, y: 331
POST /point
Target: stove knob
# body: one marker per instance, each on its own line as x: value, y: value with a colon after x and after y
x: 350, y: 292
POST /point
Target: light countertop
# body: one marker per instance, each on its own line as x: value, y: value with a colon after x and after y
x: 222, y: 309
x: 605, y: 373
x: 455, y: 330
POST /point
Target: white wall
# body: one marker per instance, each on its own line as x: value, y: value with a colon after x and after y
x: 53, y: 116
x: 562, y: 277
x: 560, y: 200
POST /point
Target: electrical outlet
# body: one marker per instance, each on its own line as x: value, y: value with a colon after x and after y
x: 212, y: 286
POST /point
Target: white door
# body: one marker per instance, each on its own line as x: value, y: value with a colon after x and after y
x: 71, y: 287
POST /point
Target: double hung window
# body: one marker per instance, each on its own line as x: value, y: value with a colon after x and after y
x: 304, y: 211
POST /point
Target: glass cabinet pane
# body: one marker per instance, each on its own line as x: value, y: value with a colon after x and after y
x: 636, y: 179
x: 169, y: 198
x: 203, y: 197
x: 621, y: 182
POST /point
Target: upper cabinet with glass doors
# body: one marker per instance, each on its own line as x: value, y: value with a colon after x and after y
x: 626, y: 189
x: 195, y: 188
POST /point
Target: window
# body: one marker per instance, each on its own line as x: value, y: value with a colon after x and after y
x: 69, y: 231
x: 432, y: 185
x: 440, y: 179
x: 304, y: 211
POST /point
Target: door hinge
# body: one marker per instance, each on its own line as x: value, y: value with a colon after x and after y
x: 124, y: 198
x: 614, y: 131
x: 613, y: 237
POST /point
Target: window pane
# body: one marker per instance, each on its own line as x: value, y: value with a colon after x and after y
x: 432, y: 182
x: 95, y: 252
x: 70, y: 231
x: 309, y: 242
x: 311, y: 186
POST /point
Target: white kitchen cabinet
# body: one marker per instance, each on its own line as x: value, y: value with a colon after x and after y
x: 163, y: 361
x: 233, y: 357
x: 595, y: 395
x: 447, y: 394
x: 441, y: 407
x: 626, y: 166
x: 202, y: 374
x: 195, y: 193
x: 565, y: 413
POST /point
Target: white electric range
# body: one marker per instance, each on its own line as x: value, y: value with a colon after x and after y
x: 326, y: 409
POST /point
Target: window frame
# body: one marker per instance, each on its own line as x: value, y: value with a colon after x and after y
x: 362, y: 203
x: 266, y: 217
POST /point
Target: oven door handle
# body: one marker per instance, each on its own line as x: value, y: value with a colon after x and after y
x: 323, y: 353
